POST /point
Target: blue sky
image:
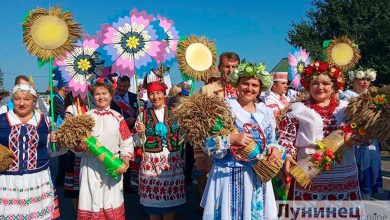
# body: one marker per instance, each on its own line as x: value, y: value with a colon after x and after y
x: 255, y: 29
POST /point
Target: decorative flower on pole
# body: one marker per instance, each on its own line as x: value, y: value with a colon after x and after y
x: 133, y: 44
x: 297, y: 61
x: 172, y: 38
x: 80, y: 65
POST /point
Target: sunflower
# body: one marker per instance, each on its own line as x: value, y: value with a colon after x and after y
x: 197, y: 57
x: 50, y: 34
x: 343, y: 53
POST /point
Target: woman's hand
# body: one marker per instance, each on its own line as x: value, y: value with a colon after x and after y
x: 288, y: 164
x: 123, y: 169
x: 140, y: 127
x: 53, y: 136
x: 81, y: 147
x: 273, y: 154
x: 240, y: 139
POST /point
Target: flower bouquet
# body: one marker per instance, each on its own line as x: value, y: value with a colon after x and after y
x: 76, y: 131
x: 201, y: 117
x: 328, y: 150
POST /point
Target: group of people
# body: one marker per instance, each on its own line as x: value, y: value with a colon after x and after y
x: 228, y: 187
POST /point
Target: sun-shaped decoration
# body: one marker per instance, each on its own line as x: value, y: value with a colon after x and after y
x: 172, y: 37
x: 50, y: 34
x: 297, y: 61
x: 343, y: 53
x: 80, y: 65
x: 197, y: 57
x: 134, y: 44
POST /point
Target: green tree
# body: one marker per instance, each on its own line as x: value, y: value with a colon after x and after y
x: 366, y: 22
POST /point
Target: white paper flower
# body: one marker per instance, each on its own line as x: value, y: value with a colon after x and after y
x: 360, y: 74
x: 371, y: 74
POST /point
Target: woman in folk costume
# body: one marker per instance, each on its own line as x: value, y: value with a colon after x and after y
x: 368, y: 151
x: 161, y: 184
x: 233, y: 190
x: 73, y: 107
x: 101, y: 196
x: 26, y: 187
x: 312, y: 120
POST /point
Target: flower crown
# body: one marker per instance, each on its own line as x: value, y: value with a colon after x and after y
x: 252, y: 70
x: 106, y: 80
x: 318, y: 68
x: 361, y: 73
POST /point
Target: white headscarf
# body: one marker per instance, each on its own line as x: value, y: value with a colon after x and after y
x: 24, y: 88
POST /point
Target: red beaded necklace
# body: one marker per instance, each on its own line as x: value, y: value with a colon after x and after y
x: 324, y: 110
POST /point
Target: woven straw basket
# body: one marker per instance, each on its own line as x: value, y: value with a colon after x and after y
x: 263, y: 169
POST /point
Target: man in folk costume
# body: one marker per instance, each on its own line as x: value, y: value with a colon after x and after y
x: 276, y: 99
x: 228, y: 62
x: 126, y: 104
x: 161, y: 187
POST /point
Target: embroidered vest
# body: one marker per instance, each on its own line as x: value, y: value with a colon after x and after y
x: 154, y: 143
x: 28, y: 143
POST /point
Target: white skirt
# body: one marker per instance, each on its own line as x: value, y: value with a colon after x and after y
x: 28, y: 196
x: 100, y: 194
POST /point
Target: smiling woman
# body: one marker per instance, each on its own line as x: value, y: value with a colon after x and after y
x: 26, y: 133
x: 100, y: 194
x: 233, y: 190
x: 161, y: 167
x: 314, y: 119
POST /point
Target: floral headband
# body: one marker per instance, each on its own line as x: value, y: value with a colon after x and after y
x: 252, y: 70
x: 360, y: 74
x: 108, y: 81
x: 318, y: 68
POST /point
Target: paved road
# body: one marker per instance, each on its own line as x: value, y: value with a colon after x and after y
x: 190, y: 210
x: 132, y: 206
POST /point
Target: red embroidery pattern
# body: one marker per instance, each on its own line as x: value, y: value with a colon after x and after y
x: 124, y: 130
x: 14, y: 146
x: 230, y: 92
x: 162, y: 178
x: 111, y: 213
x: 288, y: 128
x: 347, y: 190
x: 162, y: 190
x: 32, y: 147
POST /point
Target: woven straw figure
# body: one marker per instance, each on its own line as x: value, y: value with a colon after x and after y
x: 6, y: 157
x: 76, y: 130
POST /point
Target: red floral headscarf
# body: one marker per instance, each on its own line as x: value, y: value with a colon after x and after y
x: 156, y: 86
